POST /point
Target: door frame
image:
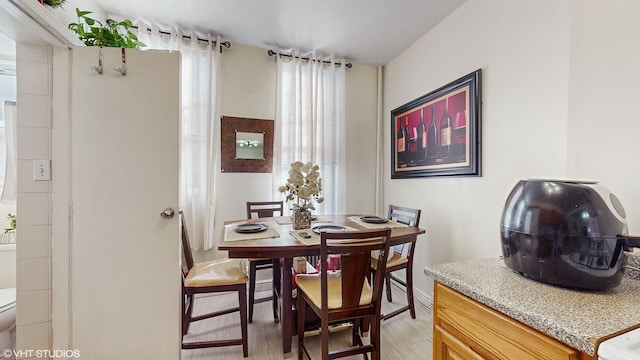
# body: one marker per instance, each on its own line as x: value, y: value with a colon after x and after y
x: 31, y: 23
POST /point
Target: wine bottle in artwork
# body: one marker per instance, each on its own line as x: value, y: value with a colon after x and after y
x: 421, y: 154
x: 408, y: 142
x: 445, y: 131
x: 432, y: 136
x: 413, y: 146
x: 401, y: 146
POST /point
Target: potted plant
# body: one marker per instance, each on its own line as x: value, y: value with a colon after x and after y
x: 112, y: 34
x: 54, y: 3
x: 303, y: 186
x: 12, y: 224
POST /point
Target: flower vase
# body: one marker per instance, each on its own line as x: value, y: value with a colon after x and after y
x: 301, y: 219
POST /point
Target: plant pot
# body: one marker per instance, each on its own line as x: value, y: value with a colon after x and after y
x: 301, y: 219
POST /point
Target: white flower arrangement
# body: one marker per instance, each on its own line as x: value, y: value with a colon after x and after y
x: 303, y: 186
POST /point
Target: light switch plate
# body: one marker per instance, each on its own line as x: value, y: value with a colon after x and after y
x: 41, y: 170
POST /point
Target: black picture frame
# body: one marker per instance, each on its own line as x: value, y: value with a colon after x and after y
x: 455, y: 133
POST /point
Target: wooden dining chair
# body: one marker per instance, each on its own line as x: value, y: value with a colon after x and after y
x: 262, y: 209
x: 401, y: 258
x: 345, y: 296
x: 223, y: 275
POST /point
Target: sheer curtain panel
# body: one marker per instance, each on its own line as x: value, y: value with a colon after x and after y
x: 310, y: 125
x: 199, y: 128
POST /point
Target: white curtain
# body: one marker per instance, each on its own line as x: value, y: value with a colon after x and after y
x: 9, y: 191
x: 199, y: 125
x: 310, y: 125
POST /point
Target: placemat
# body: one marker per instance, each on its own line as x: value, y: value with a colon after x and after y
x: 315, y: 238
x: 286, y: 220
x: 388, y: 224
x: 230, y: 235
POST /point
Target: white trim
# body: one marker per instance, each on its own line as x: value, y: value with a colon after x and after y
x: 420, y: 297
x: 44, y: 16
x: 423, y: 299
x: 61, y: 203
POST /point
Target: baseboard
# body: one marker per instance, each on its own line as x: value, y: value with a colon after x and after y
x: 425, y: 300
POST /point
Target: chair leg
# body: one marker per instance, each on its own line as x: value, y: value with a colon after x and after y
x: 242, y: 299
x: 374, y: 338
x: 387, y: 279
x: 276, y: 288
x: 324, y: 335
x: 252, y: 288
x: 186, y: 315
x: 412, y: 309
x: 300, y: 323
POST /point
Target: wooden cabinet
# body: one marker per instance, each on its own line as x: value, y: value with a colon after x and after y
x: 466, y: 329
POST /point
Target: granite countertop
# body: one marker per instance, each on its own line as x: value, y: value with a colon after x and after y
x: 573, y: 317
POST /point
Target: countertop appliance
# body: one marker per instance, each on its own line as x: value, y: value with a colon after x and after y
x: 621, y: 347
x: 567, y: 233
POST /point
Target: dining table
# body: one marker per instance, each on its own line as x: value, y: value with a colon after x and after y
x: 275, y: 238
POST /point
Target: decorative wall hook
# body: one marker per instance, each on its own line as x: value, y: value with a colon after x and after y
x: 98, y: 68
x: 123, y: 69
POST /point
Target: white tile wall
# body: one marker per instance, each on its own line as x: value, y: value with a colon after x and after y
x: 34, y: 337
x: 33, y: 318
x: 33, y: 274
x: 36, y: 242
x: 36, y: 80
x: 37, y: 114
x: 33, y: 208
x: 33, y: 307
x: 33, y: 54
x: 33, y: 143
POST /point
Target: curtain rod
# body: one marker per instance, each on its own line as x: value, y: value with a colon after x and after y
x: 225, y: 44
x: 273, y: 53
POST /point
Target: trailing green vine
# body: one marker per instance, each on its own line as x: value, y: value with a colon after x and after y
x: 54, y: 3
x: 112, y: 34
x: 12, y: 224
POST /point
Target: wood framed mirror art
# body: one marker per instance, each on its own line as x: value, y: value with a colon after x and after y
x: 246, y: 145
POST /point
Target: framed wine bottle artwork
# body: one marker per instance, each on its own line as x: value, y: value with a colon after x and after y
x: 438, y: 134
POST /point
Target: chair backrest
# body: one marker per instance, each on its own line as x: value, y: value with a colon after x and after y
x: 407, y: 216
x: 187, y: 256
x: 354, y: 248
x: 404, y: 215
x: 264, y: 209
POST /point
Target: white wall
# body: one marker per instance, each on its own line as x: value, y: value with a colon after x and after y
x: 603, y: 100
x: 523, y: 50
x: 248, y: 89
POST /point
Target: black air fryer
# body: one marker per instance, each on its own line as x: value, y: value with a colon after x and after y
x: 566, y: 233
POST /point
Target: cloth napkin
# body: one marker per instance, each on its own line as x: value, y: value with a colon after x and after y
x: 230, y: 235
x: 388, y: 224
x: 286, y: 220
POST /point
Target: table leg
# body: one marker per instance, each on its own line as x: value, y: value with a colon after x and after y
x: 286, y: 316
x: 277, y: 290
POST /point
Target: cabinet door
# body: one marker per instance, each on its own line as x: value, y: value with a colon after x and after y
x: 448, y: 347
x: 492, y: 333
x: 125, y: 273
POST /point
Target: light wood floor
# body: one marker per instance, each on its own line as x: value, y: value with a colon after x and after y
x: 402, y: 336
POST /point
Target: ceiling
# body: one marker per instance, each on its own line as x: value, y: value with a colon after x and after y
x: 370, y: 32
